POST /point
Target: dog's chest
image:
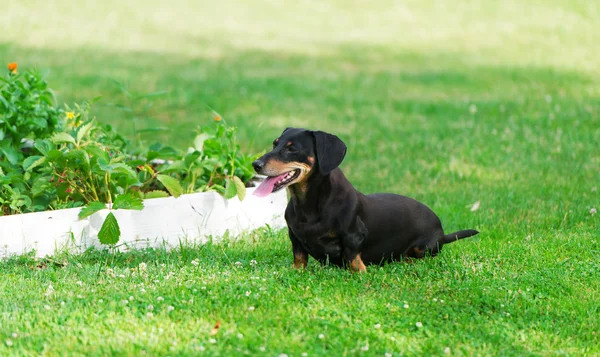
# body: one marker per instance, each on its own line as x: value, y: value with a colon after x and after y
x: 328, y: 246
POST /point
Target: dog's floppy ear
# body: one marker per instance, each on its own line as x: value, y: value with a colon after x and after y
x: 330, y: 151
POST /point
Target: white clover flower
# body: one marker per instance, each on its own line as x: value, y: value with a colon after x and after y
x: 472, y: 109
x: 170, y: 308
x: 419, y: 324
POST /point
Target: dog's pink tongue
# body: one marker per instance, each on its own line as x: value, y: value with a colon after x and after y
x: 266, y: 186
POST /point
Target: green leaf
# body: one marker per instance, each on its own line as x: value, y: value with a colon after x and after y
x: 128, y: 201
x: 91, y: 208
x: 80, y: 155
x: 110, y: 231
x: 31, y: 162
x: 123, y: 169
x: 10, y: 153
x: 95, y: 151
x: 43, y: 146
x: 62, y: 138
x: 191, y: 157
x: 171, y: 184
x: 199, y: 141
x: 155, y: 194
x: 54, y: 155
x: 41, y: 186
x: 241, y: 188
x: 84, y: 130
x: 230, y: 188
x: 178, y: 166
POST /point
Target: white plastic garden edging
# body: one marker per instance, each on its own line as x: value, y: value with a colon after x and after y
x: 163, y: 222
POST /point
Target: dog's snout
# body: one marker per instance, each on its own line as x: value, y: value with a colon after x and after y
x: 258, y: 165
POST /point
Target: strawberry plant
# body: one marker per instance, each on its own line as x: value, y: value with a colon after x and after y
x: 52, y: 158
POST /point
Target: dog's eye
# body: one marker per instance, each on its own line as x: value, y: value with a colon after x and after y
x: 292, y: 149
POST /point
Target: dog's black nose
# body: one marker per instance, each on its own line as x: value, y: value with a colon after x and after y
x: 258, y: 165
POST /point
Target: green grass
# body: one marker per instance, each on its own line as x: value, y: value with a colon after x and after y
x: 450, y: 102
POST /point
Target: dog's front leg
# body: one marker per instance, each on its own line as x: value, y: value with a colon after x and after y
x: 300, y: 254
x: 352, y: 242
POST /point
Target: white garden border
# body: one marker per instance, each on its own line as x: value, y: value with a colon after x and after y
x: 166, y: 222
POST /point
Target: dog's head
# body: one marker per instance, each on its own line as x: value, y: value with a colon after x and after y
x: 298, y: 154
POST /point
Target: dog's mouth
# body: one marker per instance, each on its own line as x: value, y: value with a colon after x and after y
x: 275, y: 183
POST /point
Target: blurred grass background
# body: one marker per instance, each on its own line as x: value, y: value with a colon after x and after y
x: 450, y: 102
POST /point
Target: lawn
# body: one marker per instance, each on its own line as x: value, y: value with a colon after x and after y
x: 450, y: 102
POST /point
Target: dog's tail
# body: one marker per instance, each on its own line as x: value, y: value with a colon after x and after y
x: 449, y: 238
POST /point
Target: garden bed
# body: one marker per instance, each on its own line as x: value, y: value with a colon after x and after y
x: 69, y: 182
x: 169, y: 221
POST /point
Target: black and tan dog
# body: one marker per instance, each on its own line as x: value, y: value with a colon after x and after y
x: 330, y: 220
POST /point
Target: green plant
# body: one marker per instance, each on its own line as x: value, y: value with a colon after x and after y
x: 74, y: 161
x: 214, y: 162
x: 27, y: 111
